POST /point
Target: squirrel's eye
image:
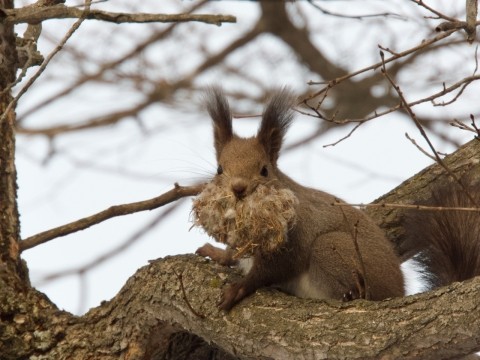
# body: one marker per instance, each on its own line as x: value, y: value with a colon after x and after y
x: 219, y: 170
x: 264, y: 171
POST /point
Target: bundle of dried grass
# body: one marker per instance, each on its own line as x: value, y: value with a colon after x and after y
x: 260, y: 220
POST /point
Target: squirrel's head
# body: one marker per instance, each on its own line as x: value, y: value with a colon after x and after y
x: 244, y: 163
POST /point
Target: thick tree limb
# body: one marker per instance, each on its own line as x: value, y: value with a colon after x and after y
x: 36, y: 14
x: 273, y: 325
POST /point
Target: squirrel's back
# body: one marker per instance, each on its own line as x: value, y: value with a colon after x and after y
x: 448, y: 241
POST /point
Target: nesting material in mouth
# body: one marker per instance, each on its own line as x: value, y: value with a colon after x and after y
x: 260, y: 220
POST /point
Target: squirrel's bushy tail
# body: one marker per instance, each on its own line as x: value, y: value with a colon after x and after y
x: 448, y: 241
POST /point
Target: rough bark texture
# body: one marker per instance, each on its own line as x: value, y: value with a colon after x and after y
x: 270, y: 324
x: 151, y: 319
x: 9, y: 220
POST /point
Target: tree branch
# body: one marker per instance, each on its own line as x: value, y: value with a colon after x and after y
x: 409, y: 206
x: 118, y: 210
x: 417, y: 123
x: 50, y: 56
x: 36, y: 14
x: 273, y: 325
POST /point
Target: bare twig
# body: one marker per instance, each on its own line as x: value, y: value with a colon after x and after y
x: 473, y: 128
x: 82, y: 16
x: 463, y: 86
x: 109, y: 65
x: 161, y: 91
x: 38, y: 14
x: 176, y: 193
x: 419, y: 147
x: 419, y: 126
x: 99, y: 121
x: 317, y: 114
x: 194, y: 312
x: 410, y: 206
x: 431, y: 98
x: 432, y: 10
x: 375, y: 66
x: 395, y: 56
x: 455, y: 98
x: 358, y: 17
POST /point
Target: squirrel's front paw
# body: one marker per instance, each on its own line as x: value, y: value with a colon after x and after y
x: 232, y: 295
x: 216, y: 254
x: 206, y: 250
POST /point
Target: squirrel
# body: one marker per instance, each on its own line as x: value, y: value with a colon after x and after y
x: 334, y: 252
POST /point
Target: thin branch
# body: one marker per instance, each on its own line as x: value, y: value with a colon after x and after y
x: 409, y: 206
x: 455, y: 98
x: 108, y: 255
x: 459, y: 84
x: 436, y: 12
x: 375, y: 66
x: 107, y: 66
x: 431, y: 98
x: 358, y: 17
x: 464, y: 85
x: 176, y: 193
x: 412, y: 115
x: 83, y: 14
x: 424, y: 152
x: 473, y: 128
x: 37, y: 14
x: 98, y: 121
x: 159, y: 93
x: 194, y: 312
x: 346, y: 136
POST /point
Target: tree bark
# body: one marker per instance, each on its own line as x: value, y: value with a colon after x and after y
x: 10, y: 263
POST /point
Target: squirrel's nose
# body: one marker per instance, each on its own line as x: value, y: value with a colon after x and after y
x: 239, y: 188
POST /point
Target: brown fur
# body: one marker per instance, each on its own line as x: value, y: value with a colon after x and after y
x: 448, y: 241
x: 319, y: 258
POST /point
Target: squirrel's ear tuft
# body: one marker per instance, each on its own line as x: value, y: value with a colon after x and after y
x: 219, y: 110
x: 276, y: 119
